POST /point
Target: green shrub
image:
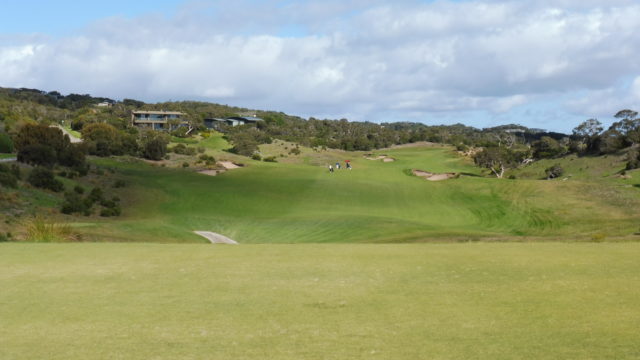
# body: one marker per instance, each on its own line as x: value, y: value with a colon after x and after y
x: 185, y: 164
x: 38, y: 154
x: 78, y: 189
x: 8, y: 180
x: 43, y: 178
x: 73, y: 203
x: 554, y: 171
x: 96, y: 195
x: 270, y: 159
x: 119, y: 184
x: 6, y: 144
x: 256, y: 156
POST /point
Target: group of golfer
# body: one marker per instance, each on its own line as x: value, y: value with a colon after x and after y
x: 347, y: 165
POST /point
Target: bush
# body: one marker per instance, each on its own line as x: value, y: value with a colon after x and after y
x: 38, y: 154
x: 554, y: 171
x: 119, y: 184
x: 256, y: 156
x: 270, y: 159
x: 154, y: 144
x: 633, y: 157
x: 78, y: 189
x: 43, y: 178
x: 185, y: 164
x: 96, y: 195
x: 295, y: 151
x: 73, y: 203
x: 8, y: 180
x: 9, y: 176
x: 6, y: 144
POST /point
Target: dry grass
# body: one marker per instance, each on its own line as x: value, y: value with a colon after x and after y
x: 40, y: 229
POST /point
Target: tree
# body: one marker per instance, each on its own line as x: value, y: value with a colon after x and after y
x: 547, y: 147
x: 40, y: 134
x: 497, y: 159
x: 589, y: 132
x: 154, y: 144
x: 102, y: 139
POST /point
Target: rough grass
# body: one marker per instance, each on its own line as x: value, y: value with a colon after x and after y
x: 415, y: 301
x: 40, y: 229
x: 300, y: 201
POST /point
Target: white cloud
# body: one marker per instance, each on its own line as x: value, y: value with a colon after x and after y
x: 357, y: 58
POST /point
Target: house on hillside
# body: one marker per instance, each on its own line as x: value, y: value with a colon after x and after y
x: 158, y: 120
x: 216, y: 123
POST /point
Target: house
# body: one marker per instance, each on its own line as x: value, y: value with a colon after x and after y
x: 158, y: 120
x: 216, y: 123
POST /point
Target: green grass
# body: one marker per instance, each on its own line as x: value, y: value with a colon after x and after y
x: 413, y: 301
x: 7, y: 156
x: 299, y: 201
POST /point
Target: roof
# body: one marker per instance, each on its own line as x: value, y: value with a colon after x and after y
x: 159, y: 112
x: 246, y: 118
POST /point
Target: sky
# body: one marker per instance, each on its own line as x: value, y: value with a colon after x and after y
x: 540, y: 63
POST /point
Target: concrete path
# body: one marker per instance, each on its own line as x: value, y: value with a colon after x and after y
x: 72, y: 138
x: 8, y: 160
x: 215, y: 238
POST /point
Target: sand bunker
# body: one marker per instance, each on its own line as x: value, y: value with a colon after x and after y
x: 216, y: 238
x: 211, y: 172
x: 384, y: 158
x: 229, y: 165
x: 434, y: 176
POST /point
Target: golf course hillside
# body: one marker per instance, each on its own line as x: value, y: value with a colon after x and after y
x: 380, y: 200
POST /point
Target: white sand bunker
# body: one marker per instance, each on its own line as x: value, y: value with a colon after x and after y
x: 216, y: 238
x: 384, y: 158
x: 434, y: 176
x: 230, y: 165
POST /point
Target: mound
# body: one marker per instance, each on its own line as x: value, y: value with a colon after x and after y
x: 434, y: 176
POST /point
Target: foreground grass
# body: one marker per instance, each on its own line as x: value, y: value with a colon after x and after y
x: 449, y: 301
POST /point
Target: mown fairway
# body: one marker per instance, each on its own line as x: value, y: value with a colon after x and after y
x: 339, y: 301
x: 300, y: 201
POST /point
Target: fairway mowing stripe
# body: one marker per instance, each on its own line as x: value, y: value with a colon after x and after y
x: 216, y: 238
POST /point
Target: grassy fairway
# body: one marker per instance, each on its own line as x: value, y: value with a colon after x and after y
x: 448, y: 301
x: 299, y: 201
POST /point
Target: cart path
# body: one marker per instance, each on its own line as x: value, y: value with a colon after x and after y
x: 215, y: 238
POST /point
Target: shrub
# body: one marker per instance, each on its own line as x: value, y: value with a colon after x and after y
x: 8, y: 180
x: 78, y: 189
x: 119, y: 184
x: 201, y: 150
x: 554, y: 171
x: 6, y: 144
x: 43, y: 178
x: 9, y: 176
x: 295, y: 151
x: 633, y: 159
x: 185, y: 164
x: 38, y: 154
x: 73, y: 203
x: 270, y: 159
x: 256, y: 156
x: 96, y: 195
x: 154, y: 144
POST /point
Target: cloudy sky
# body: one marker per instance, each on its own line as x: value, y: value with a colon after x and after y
x: 547, y: 64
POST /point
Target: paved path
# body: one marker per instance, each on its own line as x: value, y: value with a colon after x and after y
x: 72, y: 138
x: 8, y: 160
x: 215, y: 238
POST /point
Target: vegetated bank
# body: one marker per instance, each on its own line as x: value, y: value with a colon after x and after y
x: 284, y: 193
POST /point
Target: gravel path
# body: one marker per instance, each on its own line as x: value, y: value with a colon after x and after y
x: 216, y: 238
